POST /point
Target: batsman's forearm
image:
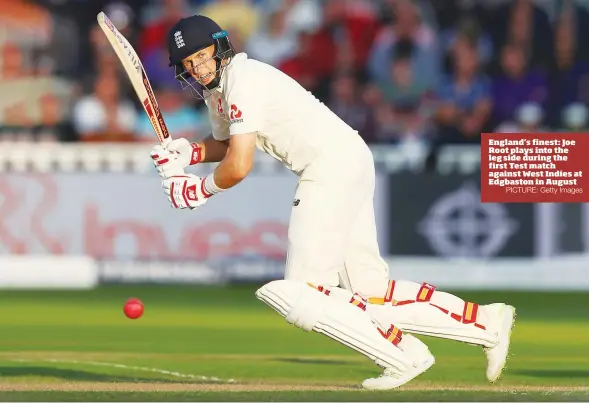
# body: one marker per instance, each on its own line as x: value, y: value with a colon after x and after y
x: 212, y: 150
x: 236, y: 165
x: 229, y: 173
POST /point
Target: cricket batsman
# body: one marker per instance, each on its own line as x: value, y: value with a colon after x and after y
x: 335, y: 281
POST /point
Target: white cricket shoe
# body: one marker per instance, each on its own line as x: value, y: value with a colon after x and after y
x: 497, y: 355
x: 392, y: 378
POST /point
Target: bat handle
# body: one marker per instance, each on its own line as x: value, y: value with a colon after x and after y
x: 166, y: 142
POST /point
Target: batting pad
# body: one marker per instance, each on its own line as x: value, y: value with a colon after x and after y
x: 421, y: 309
x: 313, y: 309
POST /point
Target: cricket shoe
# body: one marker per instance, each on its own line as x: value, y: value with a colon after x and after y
x: 392, y: 378
x: 497, y: 355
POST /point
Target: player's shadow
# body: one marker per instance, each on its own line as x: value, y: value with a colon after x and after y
x: 553, y: 373
x: 314, y: 361
x: 77, y: 375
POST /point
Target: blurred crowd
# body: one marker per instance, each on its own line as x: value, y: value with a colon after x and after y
x: 399, y: 71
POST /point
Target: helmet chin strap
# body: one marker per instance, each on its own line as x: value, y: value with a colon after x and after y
x: 214, y: 83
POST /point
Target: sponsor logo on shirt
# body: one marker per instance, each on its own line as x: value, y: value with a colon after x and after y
x: 235, y: 115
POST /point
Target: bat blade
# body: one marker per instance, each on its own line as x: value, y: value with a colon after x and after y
x: 137, y: 76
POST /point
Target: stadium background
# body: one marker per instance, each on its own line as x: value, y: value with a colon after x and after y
x: 81, y: 207
x: 77, y: 181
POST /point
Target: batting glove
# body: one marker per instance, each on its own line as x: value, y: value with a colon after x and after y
x: 186, y: 191
x: 168, y: 164
x: 172, y: 160
x: 188, y: 153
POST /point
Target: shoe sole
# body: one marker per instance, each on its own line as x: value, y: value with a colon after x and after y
x: 510, y: 324
x: 427, y: 365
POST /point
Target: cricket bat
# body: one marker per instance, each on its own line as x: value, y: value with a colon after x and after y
x: 134, y: 68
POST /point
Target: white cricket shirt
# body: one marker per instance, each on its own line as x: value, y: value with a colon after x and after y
x: 291, y: 124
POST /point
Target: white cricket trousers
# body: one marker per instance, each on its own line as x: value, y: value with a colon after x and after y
x: 332, y: 238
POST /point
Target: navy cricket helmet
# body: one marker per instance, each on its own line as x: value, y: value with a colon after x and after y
x: 191, y: 34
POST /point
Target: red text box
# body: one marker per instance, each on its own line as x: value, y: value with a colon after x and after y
x: 535, y: 167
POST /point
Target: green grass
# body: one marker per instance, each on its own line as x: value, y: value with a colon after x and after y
x: 73, y: 346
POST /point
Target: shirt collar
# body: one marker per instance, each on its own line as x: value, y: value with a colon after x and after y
x: 235, y: 62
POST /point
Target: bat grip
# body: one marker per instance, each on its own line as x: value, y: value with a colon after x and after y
x: 166, y: 142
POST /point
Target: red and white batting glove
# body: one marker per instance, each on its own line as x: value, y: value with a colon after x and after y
x: 188, y: 153
x: 189, y: 191
x: 166, y: 163
x: 172, y: 160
